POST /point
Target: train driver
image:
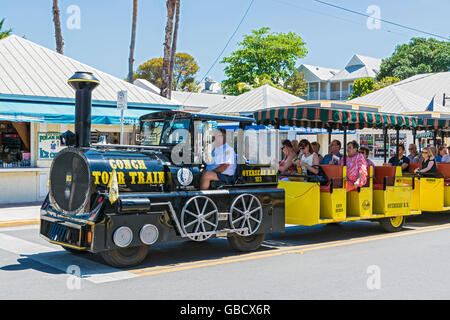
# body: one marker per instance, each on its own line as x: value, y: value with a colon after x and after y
x: 223, y: 165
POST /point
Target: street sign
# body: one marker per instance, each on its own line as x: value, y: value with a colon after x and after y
x: 122, y: 100
x: 121, y: 105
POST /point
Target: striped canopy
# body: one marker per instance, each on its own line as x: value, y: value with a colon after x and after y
x: 433, y: 124
x: 315, y: 117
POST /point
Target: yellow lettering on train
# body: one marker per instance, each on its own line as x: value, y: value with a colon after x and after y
x: 161, y: 177
x: 142, y: 164
x: 133, y: 176
x: 127, y: 164
x: 112, y: 164
x: 120, y: 177
x: 105, y: 177
x: 119, y: 164
x: 141, y: 178
x: 135, y: 164
x: 97, y: 175
x: 136, y: 177
x: 149, y: 178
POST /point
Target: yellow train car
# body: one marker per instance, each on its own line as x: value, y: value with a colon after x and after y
x: 388, y: 201
x: 388, y: 196
x: 431, y: 191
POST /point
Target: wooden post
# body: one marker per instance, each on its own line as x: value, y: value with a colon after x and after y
x: 385, y: 132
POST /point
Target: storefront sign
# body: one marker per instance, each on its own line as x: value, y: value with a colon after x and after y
x: 48, y: 145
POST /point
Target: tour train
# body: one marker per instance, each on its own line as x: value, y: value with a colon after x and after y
x: 117, y: 200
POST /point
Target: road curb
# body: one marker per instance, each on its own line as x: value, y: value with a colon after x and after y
x: 15, y: 223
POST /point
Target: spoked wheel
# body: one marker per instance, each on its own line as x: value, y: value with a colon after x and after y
x: 199, y: 214
x: 246, y: 212
x: 393, y: 224
x: 246, y: 243
x: 125, y: 257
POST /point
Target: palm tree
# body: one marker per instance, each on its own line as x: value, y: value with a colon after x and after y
x: 133, y: 39
x: 167, y: 49
x: 174, y: 45
x: 57, y: 23
x: 4, y: 33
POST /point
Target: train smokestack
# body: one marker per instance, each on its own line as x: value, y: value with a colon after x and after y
x: 83, y: 83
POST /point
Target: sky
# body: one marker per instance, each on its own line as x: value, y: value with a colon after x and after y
x: 101, y: 35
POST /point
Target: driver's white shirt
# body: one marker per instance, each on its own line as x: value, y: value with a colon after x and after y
x: 221, y: 155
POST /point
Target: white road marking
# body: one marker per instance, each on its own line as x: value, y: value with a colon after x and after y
x: 58, y: 258
x: 19, y: 228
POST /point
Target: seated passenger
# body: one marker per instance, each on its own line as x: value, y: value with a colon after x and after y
x: 308, y: 160
x: 400, y: 160
x: 223, y: 165
x: 287, y: 165
x: 446, y: 158
x: 334, y: 154
x: 428, y: 163
x: 365, y: 152
x: 414, y: 156
x: 357, y: 171
x: 316, y: 148
x: 442, y: 152
x: 295, y: 146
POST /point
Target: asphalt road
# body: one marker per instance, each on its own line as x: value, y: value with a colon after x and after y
x: 354, y: 260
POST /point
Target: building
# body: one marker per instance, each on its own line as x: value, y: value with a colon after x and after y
x: 37, y: 105
x: 210, y: 86
x: 336, y: 84
x: 415, y: 94
x: 262, y: 97
x: 190, y: 101
x: 424, y: 95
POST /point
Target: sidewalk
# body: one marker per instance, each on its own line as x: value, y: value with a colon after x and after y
x: 18, y: 214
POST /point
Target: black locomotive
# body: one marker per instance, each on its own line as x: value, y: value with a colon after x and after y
x: 117, y: 200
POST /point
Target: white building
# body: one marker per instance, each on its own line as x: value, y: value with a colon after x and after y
x: 189, y: 101
x: 37, y: 105
x: 262, y: 97
x: 336, y: 84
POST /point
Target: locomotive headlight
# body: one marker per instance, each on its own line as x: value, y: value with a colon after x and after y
x: 122, y: 237
x: 185, y: 176
x: 149, y: 234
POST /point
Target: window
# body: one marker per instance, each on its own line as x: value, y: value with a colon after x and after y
x: 165, y: 131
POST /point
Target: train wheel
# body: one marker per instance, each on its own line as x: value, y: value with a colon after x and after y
x: 125, y: 257
x: 393, y: 224
x: 246, y: 212
x: 199, y: 214
x: 73, y: 251
x: 246, y: 243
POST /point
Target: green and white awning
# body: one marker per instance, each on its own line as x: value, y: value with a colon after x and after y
x: 319, y: 117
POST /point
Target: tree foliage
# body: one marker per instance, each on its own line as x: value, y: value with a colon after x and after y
x: 296, y: 84
x: 4, y: 33
x: 364, y: 86
x: 263, y: 53
x: 184, y: 71
x: 420, y: 55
